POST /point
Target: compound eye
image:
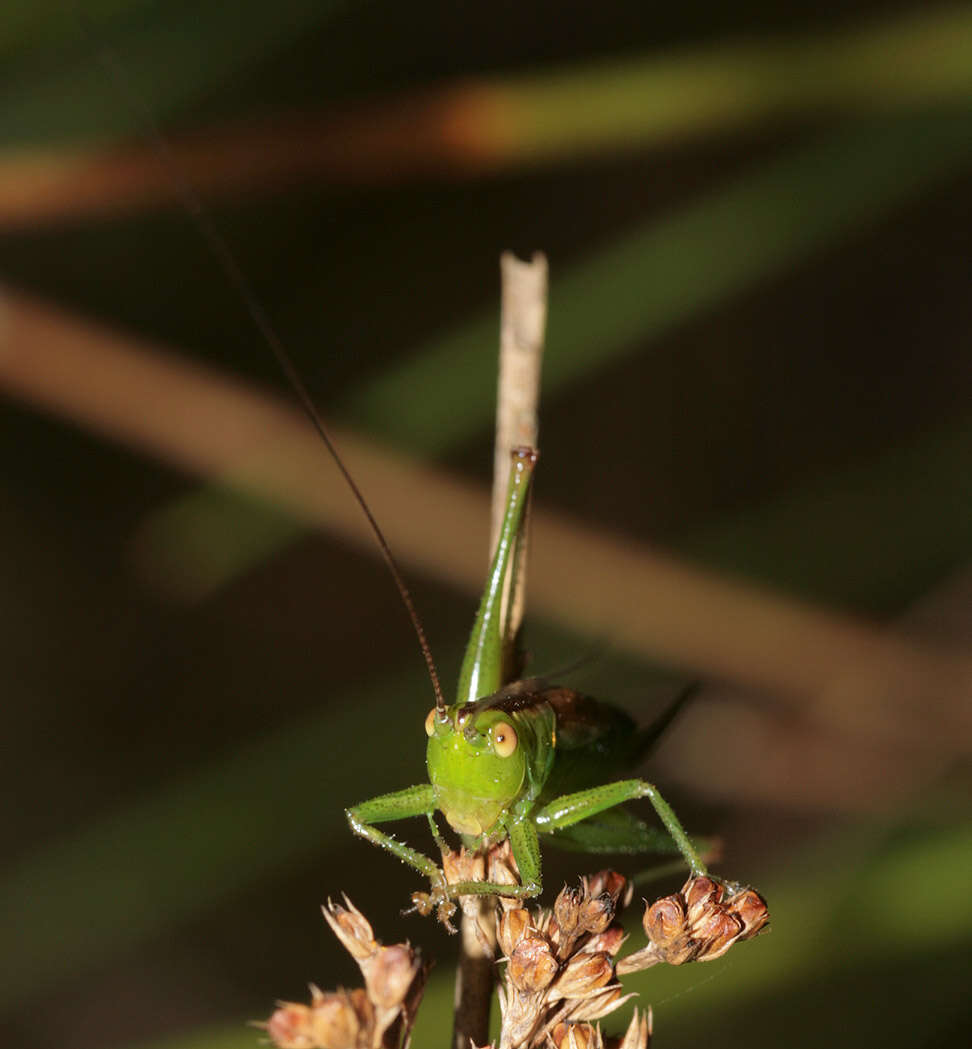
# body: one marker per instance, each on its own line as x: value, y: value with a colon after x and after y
x: 429, y: 722
x: 504, y: 739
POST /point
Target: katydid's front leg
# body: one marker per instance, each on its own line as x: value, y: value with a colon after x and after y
x: 420, y: 801
x: 572, y: 808
x: 412, y: 801
x: 526, y: 852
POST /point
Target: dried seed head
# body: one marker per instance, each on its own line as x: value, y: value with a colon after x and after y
x: 750, y: 908
x: 351, y: 927
x: 582, y: 976
x: 600, y: 1004
x: 700, y: 894
x: 463, y: 866
x: 612, y: 883
x: 665, y: 920
x: 337, y: 1022
x: 290, y: 1026
x: 719, y: 918
x: 513, y: 926
x: 378, y: 1016
x: 501, y: 867
x: 389, y: 975
x: 638, y: 1033
x: 608, y: 941
x: 597, y: 913
x: 567, y: 910
x: 698, y: 924
x: 714, y: 933
x: 576, y: 1036
x: 331, y: 1021
x: 532, y: 965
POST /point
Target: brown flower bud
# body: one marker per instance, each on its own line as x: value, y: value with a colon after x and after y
x: 599, y: 1004
x: 351, y: 927
x: 513, y: 926
x: 336, y: 1022
x: 714, y: 933
x: 700, y: 893
x: 567, y: 911
x: 532, y: 965
x: 463, y: 866
x: 389, y: 974
x: 362, y: 1006
x: 750, y: 908
x: 609, y: 941
x: 597, y: 913
x: 290, y: 1026
x: 502, y: 869
x: 559, y: 1034
x: 583, y: 974
x: 664, y: 921
x: 608, y: 881
x: 638, y: 1033
x: 579, y: 1036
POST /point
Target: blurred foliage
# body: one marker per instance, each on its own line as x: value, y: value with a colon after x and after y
x: 757, y: 356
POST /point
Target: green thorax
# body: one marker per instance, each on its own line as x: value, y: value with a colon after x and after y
x: 479, y: 787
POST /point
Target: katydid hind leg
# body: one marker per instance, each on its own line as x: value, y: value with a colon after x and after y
x: 613, y: 831
x: 570, y: 809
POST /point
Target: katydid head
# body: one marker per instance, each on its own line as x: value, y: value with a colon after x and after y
x: 477, y: 765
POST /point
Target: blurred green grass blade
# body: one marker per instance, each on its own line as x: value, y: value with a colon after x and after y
x: 908, y: 60
x: 882, y: 526
x: 517, y: 119
x: 170, y: 54
x: 669, y: 270
x: 190, y: 547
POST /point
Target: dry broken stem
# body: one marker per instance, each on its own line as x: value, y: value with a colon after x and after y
x: 562, y: 967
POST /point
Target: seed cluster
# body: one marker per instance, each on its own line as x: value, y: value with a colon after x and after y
x: 378, y: 1016
x: 698, y: 924
x: 562, y: 968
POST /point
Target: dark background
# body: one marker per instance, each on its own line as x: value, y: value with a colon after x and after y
x: 758, y: 225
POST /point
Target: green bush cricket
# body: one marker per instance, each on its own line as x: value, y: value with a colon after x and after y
x: 505, y: 761
x: 521, y: 761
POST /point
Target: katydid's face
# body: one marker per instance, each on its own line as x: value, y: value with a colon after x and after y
x: 476, y: 765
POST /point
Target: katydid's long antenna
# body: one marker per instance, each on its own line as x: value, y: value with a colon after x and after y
x: 223, y: 254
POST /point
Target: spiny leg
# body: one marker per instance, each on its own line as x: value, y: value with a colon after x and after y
x: 526, y: 852
x: 617, y: 830
x: 412, y: 801
x: 420, y: 801
x: 572, y: 808
x: 437, y: 834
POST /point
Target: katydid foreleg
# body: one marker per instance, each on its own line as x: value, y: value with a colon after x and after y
x: 400, y: 805
x: 420, y: 801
